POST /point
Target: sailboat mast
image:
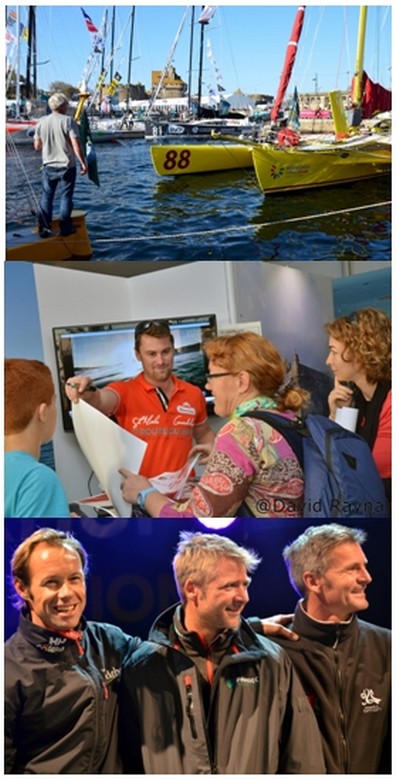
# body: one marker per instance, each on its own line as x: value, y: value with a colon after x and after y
x: 200, y: 69
x: 31, y: 53
x: 291, y: 52
x: 105, y: 33
x: 34, y: 54
x: 130, y: 56
x: 112, y: 43
x: 18, y: 73
x: 189, y: 91
x: 169, y: 58
x: 358, y: 72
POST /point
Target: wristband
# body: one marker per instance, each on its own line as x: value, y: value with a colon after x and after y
x: 141, y: 496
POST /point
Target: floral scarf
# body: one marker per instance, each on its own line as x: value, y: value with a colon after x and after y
x: 259, y: 402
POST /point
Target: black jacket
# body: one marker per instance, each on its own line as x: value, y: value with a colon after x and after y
x: 254, y: 719
x: 345, y: 669
x: 61, y: 705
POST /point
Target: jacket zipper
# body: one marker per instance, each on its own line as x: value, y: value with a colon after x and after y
x: 342, y: 720
x: 189, y: 705
x: 97, y: 688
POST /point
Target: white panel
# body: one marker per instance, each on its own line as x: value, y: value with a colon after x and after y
x: 69, y: 297
x: 292, y: 306
x: 190, y: 289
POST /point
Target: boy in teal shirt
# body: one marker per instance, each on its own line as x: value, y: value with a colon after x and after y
x: 31, y: 489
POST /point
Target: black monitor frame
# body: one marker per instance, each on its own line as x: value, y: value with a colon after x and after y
x: 104, y: 367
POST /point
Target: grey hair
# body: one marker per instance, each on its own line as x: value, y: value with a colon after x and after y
x: 57, y: 100
x: 311, y: 550
x: 198, y: 554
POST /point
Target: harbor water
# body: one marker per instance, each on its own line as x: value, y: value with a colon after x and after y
x: 137, y: 215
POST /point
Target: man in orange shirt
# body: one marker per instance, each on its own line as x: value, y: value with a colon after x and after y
x: 157, y: 406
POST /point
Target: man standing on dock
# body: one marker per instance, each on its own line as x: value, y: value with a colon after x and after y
x: 57, y: 136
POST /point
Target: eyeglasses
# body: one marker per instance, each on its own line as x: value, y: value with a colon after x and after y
x: 141, y: 327
x: 215, y: 376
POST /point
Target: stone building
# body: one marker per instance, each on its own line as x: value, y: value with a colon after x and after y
x: 172, y: 87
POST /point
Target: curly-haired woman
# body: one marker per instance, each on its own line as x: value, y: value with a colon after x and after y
x: 360, y: 359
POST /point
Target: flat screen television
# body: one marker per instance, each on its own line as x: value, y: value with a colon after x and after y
x: 105, y: 352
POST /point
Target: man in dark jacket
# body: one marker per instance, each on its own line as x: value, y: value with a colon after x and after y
x: 206, y: 695
x: 343, y: 662
x: 62, y: 674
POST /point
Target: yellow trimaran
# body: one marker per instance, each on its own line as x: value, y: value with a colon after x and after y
x: 350, y: 156
x: 180, y: 159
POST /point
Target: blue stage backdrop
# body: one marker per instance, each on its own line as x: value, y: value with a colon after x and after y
x: 130, y: 579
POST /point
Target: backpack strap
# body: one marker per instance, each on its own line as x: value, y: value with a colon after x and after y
x: 291, y: 430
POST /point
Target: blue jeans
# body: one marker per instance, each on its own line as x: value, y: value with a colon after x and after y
x: 51, y: 176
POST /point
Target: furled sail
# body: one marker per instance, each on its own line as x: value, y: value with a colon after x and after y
x: 291, y: 52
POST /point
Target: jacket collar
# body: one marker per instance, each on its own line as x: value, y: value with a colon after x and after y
x: 51, y: 642
x: 319, y: 631
x: 192, y: 641
x: 167, y: 627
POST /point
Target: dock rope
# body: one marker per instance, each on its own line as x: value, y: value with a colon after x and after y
x: 236, y: 228
x: 27, y: 190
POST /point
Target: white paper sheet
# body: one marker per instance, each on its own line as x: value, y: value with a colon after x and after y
x: 107, y: 447
x: 174, y: 482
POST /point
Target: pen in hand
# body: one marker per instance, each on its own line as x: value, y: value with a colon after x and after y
x: 91, y: 388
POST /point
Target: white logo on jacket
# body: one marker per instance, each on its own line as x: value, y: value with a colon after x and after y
x: 111, y: 674
x: 54, y: 644
x: 369, y: 702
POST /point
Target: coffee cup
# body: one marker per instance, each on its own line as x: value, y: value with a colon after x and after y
x: 347, y: 417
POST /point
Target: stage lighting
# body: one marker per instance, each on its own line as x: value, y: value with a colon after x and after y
x: 216, y: 522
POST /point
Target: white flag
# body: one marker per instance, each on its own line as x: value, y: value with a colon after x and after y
x: 207, y: 14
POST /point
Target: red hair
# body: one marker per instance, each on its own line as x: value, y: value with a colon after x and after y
x: 266, y: 367
x: 27, y: 384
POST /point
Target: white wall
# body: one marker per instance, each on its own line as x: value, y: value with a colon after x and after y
x: 68, y: 297
x: 337, y: 269
x: 190, y: 289
x: 292, y: 306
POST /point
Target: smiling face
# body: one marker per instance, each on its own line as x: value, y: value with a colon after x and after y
x: 340, y: 591
x: 157, y: 357
x: 219, y: 604
x: 56, y: 594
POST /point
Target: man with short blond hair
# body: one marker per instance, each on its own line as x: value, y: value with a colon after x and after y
x: 206, y: 695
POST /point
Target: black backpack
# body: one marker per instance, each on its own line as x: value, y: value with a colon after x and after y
x: 341, y: 479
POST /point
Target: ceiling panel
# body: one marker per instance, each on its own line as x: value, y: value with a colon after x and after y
x: 125, y: 268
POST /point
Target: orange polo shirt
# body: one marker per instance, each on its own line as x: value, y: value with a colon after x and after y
x: 168, y: 433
